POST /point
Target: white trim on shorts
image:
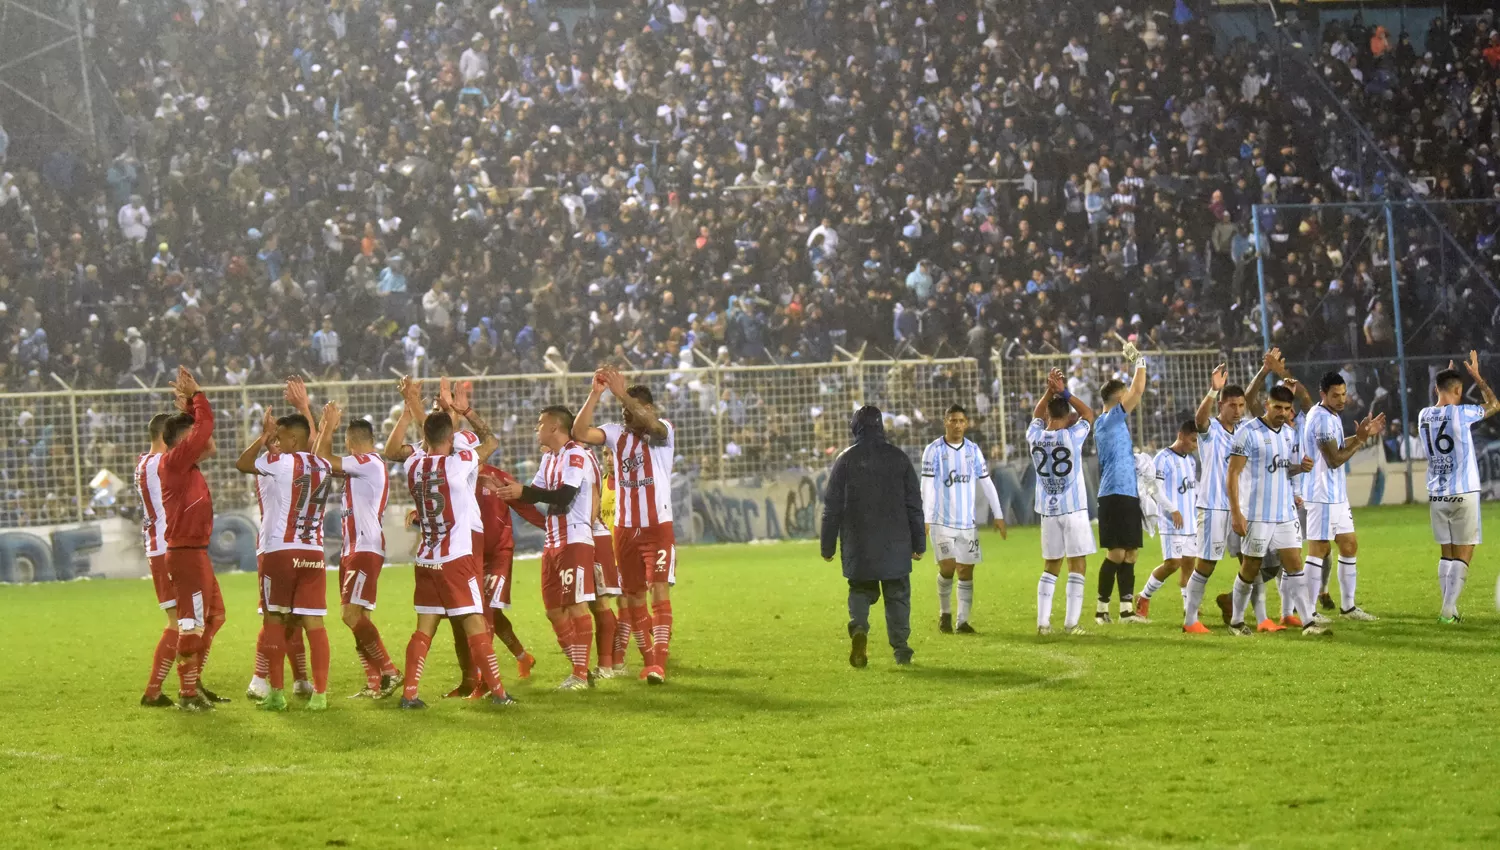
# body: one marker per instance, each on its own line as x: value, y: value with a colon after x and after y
x: 495, y: 596
x: 355, y: 592
x: 168, y: 605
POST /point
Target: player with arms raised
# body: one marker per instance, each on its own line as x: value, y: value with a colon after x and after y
x: 154, y: 534
x: 1061, y: 499
x: 1326, y: 493
x: 643, y: 448
x: 1177, y: 493
x: 1453, y: 477
x: 952, y: 467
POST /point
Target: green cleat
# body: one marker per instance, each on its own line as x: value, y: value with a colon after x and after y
x: 317, y: 702
x: 275, y: 700
x: 1449, y: 621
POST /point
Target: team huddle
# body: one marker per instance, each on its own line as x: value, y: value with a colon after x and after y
x: 608, y: 562
x: 1244, y: 477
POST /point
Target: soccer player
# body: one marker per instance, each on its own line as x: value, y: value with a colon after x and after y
x: 442, y: 480
x: 366, y: 491
x: 606, y: 582
x: 293, y: 585
x: 952, y: 466
x: 1061, y: 499
x: 1325, y: 490
x: 499, y: 559
x: 189, y: 509
x: 1120, y: 521
x: 643, y: 448
x: 1268, y: 447
x: 564, y: 484
x: 1453, y: 477
x: 612, y: 577
x: 154, y: 533
x: 1177, y: 494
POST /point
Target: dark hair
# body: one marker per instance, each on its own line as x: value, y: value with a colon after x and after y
x: 641, y: 393
x: 362, y: 428
x: 1448, y: 377
x: 158, y: 425
x: 1058, y: 407
x: 561, y: 414
x: 1187, y: 426
x: 1282, y: 394
x: 295, y: 421
x: 437, y: 428
x: 956, y: 408
x: 1111, y: 388
x: 176, y: 426
x: 1331, y: 380
x: 1231, y: 391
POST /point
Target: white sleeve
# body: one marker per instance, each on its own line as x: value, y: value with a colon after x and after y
x: 929, y: 498
x: 987, y: 484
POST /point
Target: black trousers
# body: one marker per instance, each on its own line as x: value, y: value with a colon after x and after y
x: 864, y: 594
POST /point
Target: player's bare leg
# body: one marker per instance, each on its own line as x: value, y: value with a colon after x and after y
x: 503, y: 629
x: 381, y: 675
x: 161, y: 664
x: 605, y: 626
x: 622, y: 635
x: 1197, y: 586
x: 947, y: 569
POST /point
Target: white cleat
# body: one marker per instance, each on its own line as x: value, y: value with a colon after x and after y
x: 257, y: 689
x: 619, y: 671
x: 1074, y: 631
x: 573, y: 683
x: 1357, y: 613
x: 1044, y: 631
x: 1316, y: 629
x: 1321, y: 619
x: 603, y: 673
x: 302, y: 688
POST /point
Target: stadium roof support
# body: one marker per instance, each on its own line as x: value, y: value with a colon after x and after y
x: 50, y: 76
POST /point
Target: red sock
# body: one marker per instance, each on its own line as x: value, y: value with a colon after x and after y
x: 275, y: 645
x: 372, y: 673
x: 262, y: 664
x: 640, y: 624
x: 296, y: 652
x: 187, y: 674
x: 661, y: 630
x: 622, y: 637
x: 583, y: 642
x: 604, y: 636
x: 507, y: 634
x: 372, y: 650
x: 317, y: 644
x: 563, y: 628
x: 208, y: 638
x: 416, y: 659
x: 461, y: 649
x: 388, y: 667
x: 161, y: 662
x: 482, y: 650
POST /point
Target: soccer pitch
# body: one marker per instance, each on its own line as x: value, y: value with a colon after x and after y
x: 1130, y: 736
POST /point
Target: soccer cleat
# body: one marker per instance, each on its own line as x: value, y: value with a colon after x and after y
x: 1269, y: 625
x: 388, y: 685
x: 1322, y: 619
x: 366, y: 692
x: 412, y: 704
x: 1325, y: 601
x: 857, y: 657
x: 903, y: 661
x: 302, y: 688
x: 965, y: 629
x: 620, y: 671
x: 480, y: 692
x: 257, y: 689
x: 195, y: 703
x: 1450, y: 621
x: 1196, y: 628
x: 589, y: 677
x: 158, y: 701
x: 1226, y: 607
x: 1101, y: 614
x: 1316, y: 629
x: 1358, y: 613
x: 1074, y: 630
x: 602, y: 673
x: 275, y: 700
x: 655, y: 675
x: 1142, y: 609
x: 573, y: 683
x: 502, y: 699
x: 945, y: 623
x: 463, y: 689
x: 524, y: 665
x: 317, y: 702
x: 1292, y: 621
x: 1043, y: 631
x: 1241, y: 630
x: 211, y: 696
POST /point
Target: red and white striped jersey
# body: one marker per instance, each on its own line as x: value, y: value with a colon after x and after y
x: 442, y: 486
x: 569, y: 466
x: 293, y: 493
x: 643, y: 476
x: 600, y: 529
x: 153, y: 508
x: 367, y: 488
x: 462, y: 441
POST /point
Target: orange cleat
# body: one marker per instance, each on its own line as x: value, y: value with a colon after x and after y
x: 654, y: 675
x: 1196, y: 629
x: 524, y: 665
x: 479, y: 693
x: 464, y: 689
x: 1291, y: 621
x: 1269, y: 625
x: 1142, y: 607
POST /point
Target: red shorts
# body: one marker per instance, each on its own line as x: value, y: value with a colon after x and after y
x: 646, y: 556
x: 497, y: 568
x: 606, y: 569
x: 161, y: 579
x: 449, y: 590
x: 358, y: 576
x: 196, y: 587
x: 292, y: 581
x: 567, y: 575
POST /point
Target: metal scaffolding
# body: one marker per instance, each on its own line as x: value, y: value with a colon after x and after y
x: 44, y: 65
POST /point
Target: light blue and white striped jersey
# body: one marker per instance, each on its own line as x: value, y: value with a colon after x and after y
x: 1452, y: 468
x: 955, y: 472
x: 1213, y: 465
x: 1270, y: 453
x: 1057, y: 458
x: 1323, y: 485
x: 1176, y: 490
x: 1116, y: 457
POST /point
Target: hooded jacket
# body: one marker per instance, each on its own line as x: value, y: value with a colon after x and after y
x: 872, y: 508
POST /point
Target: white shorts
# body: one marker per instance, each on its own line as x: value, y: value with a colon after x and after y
x: 1268, y: 536
x: 1213, y: 534
x: 1175, y: 547
x: 956, y: 544
x: 1455, y: 520
x: 1327, y: 521
x: 1067, y: 536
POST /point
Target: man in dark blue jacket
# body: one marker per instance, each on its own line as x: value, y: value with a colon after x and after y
x: 872, y: 511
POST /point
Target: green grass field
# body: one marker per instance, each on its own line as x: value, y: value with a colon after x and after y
x: 1382, y: 736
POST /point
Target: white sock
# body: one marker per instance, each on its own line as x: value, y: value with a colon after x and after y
x: 965, y: 599
x: 1153, y: 584
x: 1183, y: 592
x: 945, y: 595
x: 1458, y: 573
x: 1240, y: 598
x: 259, y: 684
x: 1288, y: 605
x: 1258, y: 598
x: 1347, y: 579
x: 1444, y: 569
x: 1045, y: 587
x: 1193, y: 599
x: 1312, y: 582
x: 1293, y: 594
x: 1073, y: 594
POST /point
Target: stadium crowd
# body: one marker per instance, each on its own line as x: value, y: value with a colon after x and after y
x: 351, y: 188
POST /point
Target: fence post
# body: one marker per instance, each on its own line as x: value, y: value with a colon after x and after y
x: 1390, y: 247
x: 1260, y: 276
x: 78, y: 499
x: 1001, y: 406
x: 718, y: 419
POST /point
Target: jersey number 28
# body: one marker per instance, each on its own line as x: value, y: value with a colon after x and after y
x: 1058, y: 462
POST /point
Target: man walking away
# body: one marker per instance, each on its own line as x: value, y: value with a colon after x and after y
x: 873, y: 514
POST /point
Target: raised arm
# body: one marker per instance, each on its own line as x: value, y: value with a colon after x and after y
x: 1132, y: 397
x: 639, y: 412
x: 296, y: 396
x: 396, y: 448
x: 1491, y: 404
x: 323, y: 447
x: 193, y: 446
x: 1216, y: 382
x: 246, y: 461
x: 488, y: 442
x: 583, y: 424
x: 1277, y: 363
x: 1056, y: 385
x: 1256, y: 386
x: 1084, y: 412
